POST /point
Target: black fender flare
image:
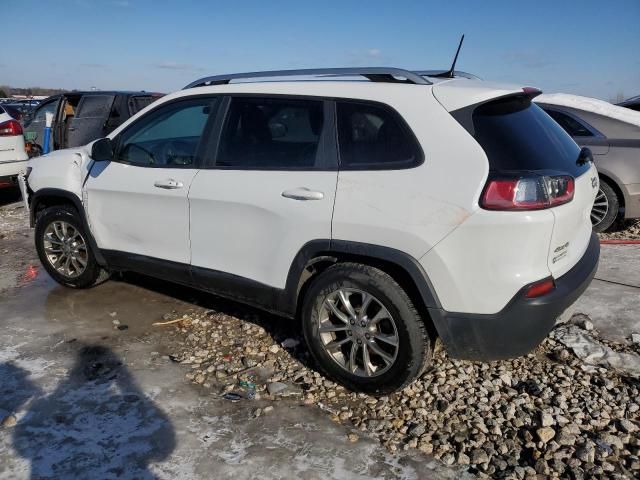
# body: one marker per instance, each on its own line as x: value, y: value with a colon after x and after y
x: 357, y: 250
x: 52, y: 193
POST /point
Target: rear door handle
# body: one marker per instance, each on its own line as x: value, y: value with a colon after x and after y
x: 303, y: 193
x: 168, y: 184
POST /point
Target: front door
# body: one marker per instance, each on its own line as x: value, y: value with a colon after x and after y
x: 137, y: 203
x: 270, y: 190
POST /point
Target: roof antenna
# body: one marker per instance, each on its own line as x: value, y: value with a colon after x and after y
x: 450, y: 73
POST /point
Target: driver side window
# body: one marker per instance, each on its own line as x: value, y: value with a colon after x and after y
x: 167, y: 136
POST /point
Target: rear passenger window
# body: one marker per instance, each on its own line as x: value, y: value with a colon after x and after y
x: 374, y: 137
x: 269, y: 133
x: 94, y: 106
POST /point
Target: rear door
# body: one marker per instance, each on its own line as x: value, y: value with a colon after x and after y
x: 268, y: 191
x: 90, y: 119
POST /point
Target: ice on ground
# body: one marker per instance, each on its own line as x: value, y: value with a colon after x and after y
x: 593, y: 105
x: 594, y: 353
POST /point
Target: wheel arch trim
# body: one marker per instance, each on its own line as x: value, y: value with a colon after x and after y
x: 57, y: 193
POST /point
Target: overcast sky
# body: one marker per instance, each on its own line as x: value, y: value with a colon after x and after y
x: 585, y: 47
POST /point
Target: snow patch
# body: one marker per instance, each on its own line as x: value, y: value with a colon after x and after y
x: 592, y: 105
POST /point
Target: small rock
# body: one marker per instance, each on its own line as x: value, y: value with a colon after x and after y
x: 290, y: 343
x: 9, y: 421
x: 582, y: 321
x: 115, y: 322
x: 628, y: 426
x: 353, y: 438
x: 274, y: 348
x: 545, y: 434
x: 479, y: 456
x: 113, y: 314
x: 268, y: 409
x: 546, y: 420
x: 635, y: 338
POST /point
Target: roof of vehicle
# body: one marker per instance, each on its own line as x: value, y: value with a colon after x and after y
x: 592, y: 105
x: 106, y: 92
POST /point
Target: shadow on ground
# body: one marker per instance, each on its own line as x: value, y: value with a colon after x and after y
x: 9, y: 195
x: 96, y: 424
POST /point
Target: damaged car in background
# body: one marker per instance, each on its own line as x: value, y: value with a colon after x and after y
x: 81, y: 117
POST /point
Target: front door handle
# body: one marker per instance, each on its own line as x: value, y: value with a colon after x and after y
x: 302, y: 193
x: 168, y: 184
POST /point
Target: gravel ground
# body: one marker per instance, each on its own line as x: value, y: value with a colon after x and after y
x: 543, y: 414
x: 625, y: 230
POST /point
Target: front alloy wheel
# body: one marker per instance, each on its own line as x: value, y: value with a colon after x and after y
x: 65, y: 249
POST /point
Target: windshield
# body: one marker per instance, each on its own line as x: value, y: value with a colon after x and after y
x: 518, y: 135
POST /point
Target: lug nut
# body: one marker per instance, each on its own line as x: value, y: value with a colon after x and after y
x: 352, y: 322
x: 349, y: 332
x: 363, y: 323
x: 359, y: 342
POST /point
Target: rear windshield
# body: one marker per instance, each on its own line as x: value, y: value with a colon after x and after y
x: 518, y: 135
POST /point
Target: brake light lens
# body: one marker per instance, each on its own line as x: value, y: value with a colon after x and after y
x: 540, y: 288
x: 532, y: 192
x: 10, y: 128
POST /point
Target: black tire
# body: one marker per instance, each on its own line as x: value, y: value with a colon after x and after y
x: 613, y: 207
x: 414, y: 346
x: 93, y: 273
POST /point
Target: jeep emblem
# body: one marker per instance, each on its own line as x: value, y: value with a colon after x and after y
x: 594, y: 182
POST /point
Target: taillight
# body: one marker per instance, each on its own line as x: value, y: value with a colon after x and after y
x: 540, y: 288
x: 10, y: 128
x: 527, y: 192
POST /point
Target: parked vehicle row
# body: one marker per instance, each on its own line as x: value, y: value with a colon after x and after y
x: 81, y: 117
x: 381, y: 213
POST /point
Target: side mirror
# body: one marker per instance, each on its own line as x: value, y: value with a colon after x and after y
x: 102, y: 150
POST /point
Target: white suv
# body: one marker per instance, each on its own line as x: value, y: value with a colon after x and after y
x: 382, y: 213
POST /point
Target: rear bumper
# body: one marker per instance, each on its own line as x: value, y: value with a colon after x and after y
x: 520, y: 326
x: 10, y: 170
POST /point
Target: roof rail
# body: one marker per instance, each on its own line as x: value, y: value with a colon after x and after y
x: 375, y: 74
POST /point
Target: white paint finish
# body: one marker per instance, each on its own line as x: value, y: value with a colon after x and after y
x: 127, y: 212
x: 11, y: 151
x: 572, y: 225
x: 461, y: 92
x: 62, y: 169
x: 411, y: 210
x: 592, y: 105
x: 241, y: 223
x: 481, y: 265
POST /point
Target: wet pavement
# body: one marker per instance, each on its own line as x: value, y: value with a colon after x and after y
x: 90, y: 392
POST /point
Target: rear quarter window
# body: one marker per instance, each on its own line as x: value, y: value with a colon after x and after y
x: 516, y: 134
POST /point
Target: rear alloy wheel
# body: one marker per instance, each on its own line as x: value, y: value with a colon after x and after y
x: 605, y: 208
x: 64, y: 251
x: 358, y: 332
x: 363, y: 330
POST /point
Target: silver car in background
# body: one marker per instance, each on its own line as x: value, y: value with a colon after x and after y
x: 612, y: 133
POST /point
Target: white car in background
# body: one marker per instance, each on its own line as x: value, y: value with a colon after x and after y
x: 13, y: 157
